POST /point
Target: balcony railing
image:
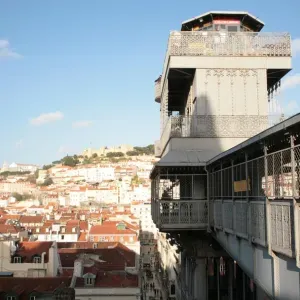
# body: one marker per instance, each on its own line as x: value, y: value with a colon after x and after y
x: 234, y: 44
x: 157, y: 90
x: 212, y: 126
x: 258, y: 200
x: 179, y: 214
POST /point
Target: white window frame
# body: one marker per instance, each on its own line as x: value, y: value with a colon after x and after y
x: 89, y: 281
x: 37, y: 260
x: 11, y: 298
x: 17, y: 260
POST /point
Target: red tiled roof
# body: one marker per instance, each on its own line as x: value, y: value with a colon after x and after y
x: 8, y: 229
x: 28, y: 249
x: 111, y: 280
x: 110, y: 227
x: 115, y: 256
x: 25, y: 286
x: 31, y: 219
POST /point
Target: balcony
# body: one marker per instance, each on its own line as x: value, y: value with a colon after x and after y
x: 179, y: 202
x: 179, y: 214
x: 157, y: 90
x: 157, y: 149
x: 227, y: 44
x: 211, y: 126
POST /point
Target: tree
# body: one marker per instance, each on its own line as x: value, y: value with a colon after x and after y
x: 70, y: 161
x: 132, y: 153
x: 47, y: 167
x: 56, y: 162
x: 95, y: 155
x: 17, y: 196
x: 115, y: 154
x: 148, y: 150
x: 20, y: 197
x: 48, y: 181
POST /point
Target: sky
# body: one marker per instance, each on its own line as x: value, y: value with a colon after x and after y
x: 77, y: 74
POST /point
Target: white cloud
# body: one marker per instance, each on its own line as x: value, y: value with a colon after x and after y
x: 6, y: 51
x: 19, y: 144
x: 82, y: 124
x: 291, y: 81
x: 47, y: 118
x: 296, y: 46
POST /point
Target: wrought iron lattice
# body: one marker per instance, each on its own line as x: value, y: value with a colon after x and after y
x: 282, y: 227
x: 258, y: 222
x: 229, y: 44
x: 241, y: 218
x: 184, y: 212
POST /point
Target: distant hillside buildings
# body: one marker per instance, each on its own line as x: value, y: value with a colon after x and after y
x: 104, y: 150
x: 15, y: 167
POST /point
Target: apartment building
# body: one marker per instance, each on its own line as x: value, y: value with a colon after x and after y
x: 29, y: 259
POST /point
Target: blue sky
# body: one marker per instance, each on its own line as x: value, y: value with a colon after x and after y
x: 75, y: 74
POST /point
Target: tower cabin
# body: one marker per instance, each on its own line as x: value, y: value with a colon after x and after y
x: 219, y: 75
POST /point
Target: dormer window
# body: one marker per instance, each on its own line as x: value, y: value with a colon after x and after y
x: 37, y: 230
x: 36, y: 259
x: 89, y: 281
x: 17, y: 260
x: 63, y: 230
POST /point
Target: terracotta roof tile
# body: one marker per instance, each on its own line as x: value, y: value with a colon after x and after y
x: 28, y: 249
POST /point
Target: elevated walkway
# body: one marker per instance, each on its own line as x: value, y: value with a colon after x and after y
x: 251, y: 206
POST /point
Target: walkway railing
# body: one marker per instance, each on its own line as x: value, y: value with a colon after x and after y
x: 258, y: 199
x: 178, y: 214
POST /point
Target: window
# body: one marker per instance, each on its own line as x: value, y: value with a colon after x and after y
x: 11, y: 298
x: 131, y: 239
x: 17, y: 260
x: 95, y: 245
x: 36, y: 260
x: 91, y: 238
x: 32, y: 297
x: 89, y: 281
x: 111, y: 239
x: 121, y: 239
x: 63, y: 230
x: 62, y: 237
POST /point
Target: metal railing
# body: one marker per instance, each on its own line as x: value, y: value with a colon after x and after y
x: 234, y: 44
x: 157, y: 90
x: 258, y: 200
x: 212, y: 126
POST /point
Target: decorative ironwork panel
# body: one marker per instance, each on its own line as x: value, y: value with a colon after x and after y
x: 282, y: 227
x: 228, y: 214
x: 184, y: 212
x: 258, y: 221
x: 217, y: 126
x: 157, y: 90
x: 241, y: 218
x: 218, y: 213
x: 210, y: 43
